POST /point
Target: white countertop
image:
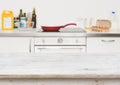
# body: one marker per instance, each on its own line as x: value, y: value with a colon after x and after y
x: 59, y: 65
x: 37, y: 33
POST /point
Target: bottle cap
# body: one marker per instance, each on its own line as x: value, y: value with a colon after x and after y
x: 113, y: 12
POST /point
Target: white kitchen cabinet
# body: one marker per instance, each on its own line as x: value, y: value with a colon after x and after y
x: 15, y: 44
x: 103, y: 44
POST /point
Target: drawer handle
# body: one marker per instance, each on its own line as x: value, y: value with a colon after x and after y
x: 60, y: 40
x: 108, y: 40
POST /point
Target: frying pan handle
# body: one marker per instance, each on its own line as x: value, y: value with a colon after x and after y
x: 68, y: 25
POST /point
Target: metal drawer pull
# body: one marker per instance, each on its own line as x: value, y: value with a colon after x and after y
x: 108, y: 40
x: 60, y: 40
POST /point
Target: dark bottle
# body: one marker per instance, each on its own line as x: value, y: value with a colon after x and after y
x: 20, y: 14
x: 34, y: 18
x: 24, y: 15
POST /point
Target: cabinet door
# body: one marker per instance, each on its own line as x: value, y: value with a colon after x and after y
x: 14, y: 44
x: 103, y: 44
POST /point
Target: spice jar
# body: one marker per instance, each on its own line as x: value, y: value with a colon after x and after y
x: 16, y: 22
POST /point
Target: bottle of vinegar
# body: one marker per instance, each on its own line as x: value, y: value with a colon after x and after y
x: 34, y: 18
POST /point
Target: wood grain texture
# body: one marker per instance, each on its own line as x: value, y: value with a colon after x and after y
x: 59, y: 65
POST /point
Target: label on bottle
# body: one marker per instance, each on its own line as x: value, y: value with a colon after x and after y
x: 16, y: 24
x: 7, y: 22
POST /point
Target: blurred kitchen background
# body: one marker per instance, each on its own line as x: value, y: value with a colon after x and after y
x: 59, y: 12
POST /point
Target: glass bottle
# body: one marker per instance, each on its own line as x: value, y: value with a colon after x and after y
x: 20, y: 14
x: 23, y: 22
x: 34, y: 18
x: 16, y: 22
x: 24, y: 14
x: 114, y: 21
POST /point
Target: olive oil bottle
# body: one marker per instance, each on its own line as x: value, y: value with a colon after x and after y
x: 34, y: 18
x: 20, y: 14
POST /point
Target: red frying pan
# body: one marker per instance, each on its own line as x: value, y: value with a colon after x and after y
x: 55, y: 28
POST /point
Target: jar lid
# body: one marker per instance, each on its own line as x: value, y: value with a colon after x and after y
x: 16, y: 18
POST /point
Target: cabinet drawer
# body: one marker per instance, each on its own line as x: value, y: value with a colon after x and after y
x: 45, y: 41
x: 103, y: 44
x: 60, y: 41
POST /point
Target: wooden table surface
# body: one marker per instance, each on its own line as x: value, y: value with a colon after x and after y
x: 59, y: 65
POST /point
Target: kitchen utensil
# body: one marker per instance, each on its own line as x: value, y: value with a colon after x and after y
x: 55, y: 28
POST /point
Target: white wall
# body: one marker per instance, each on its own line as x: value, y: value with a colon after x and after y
x: 59, y: 12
